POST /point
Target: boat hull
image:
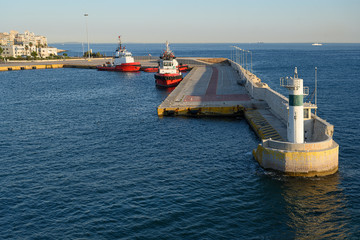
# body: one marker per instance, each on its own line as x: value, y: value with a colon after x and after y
x: 183, y: 68
x: 167, y: 80
x: 105, y: 68
x: 124, y: 67
x: 151, y: 69
x: 128, y: 67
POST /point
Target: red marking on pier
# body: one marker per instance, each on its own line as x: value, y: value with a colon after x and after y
x: 211, y: 90
x: 210, y: 95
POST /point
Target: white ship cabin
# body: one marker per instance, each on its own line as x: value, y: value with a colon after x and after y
x: 168, y: 66
x: 123, y: 56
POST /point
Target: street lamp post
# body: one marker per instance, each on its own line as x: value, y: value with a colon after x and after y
x: 246, y: 65
x: 87, y: 34
x: 243, y: 58
x: 250, y: 60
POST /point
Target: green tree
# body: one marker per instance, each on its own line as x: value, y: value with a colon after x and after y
x: 34, y: 54
x: 86, y: 54
x: 37, y: 46
x: 1, y: 50
x: 27, y: 49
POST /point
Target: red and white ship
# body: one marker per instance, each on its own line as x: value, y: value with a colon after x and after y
x: 169, y: 74
x: 123, y: 61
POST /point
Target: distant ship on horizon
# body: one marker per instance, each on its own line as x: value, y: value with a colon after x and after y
x: 317, y: 44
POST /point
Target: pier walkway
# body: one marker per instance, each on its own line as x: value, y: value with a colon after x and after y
x: 214, y: 90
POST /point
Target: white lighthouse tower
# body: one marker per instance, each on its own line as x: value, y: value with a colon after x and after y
x: 295, y: 128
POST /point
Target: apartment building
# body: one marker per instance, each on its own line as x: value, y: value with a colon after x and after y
x: 16, y: 44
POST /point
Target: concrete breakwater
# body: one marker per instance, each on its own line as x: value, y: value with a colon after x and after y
x: 223, y: 90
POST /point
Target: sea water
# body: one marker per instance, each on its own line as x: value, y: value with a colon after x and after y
x: 83, y: 155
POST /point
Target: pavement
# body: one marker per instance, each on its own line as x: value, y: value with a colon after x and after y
x: 209, y: 86
x: 214, y: 90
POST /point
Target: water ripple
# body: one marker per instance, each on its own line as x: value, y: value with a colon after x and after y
x: 84, y: 156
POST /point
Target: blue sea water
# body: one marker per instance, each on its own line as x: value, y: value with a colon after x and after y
x: 85, y: 156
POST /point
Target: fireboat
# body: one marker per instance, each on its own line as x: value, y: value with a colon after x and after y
x: 123, y: 61
x: 169, y: 74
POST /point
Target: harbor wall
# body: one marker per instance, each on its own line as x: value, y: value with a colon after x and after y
x: 30, y: 67
x: 261, y: 91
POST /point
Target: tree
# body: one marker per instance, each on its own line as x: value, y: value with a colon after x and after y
x: 1, y: 50
x: 86, y: 54
x: 34, y: 54
x: 26, y: 48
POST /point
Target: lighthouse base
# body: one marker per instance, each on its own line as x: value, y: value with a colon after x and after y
x: 308, y: 159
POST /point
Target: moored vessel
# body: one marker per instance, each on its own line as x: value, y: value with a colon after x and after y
x: 183, y: 67
x: 123, y: 61
x: 169, y: 74
x: 150, y: 69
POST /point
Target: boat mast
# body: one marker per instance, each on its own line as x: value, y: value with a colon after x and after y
x: 119, y: 43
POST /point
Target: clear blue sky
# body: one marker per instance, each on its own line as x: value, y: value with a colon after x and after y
x: 147, y: 21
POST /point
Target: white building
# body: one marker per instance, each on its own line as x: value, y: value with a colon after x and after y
x: 13, y: 51
x: 17, y: 44
x: 47, y: 51
x: 29, y: 37
x: 19, y: 50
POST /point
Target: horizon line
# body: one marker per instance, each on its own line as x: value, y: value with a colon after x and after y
x: 70, y: 42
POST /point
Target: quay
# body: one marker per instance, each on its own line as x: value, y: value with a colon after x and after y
x: 93, y: 62
x: 227, y: 89
x: 51, y: 64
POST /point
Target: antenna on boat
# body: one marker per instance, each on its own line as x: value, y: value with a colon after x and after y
x: 315, y: 89
x: 119, y: 42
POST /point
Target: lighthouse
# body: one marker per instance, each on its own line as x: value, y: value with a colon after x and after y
x: 295, y: 125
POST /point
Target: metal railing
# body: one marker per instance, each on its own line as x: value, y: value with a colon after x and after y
x: 240, y: 56
x: 287, y: 82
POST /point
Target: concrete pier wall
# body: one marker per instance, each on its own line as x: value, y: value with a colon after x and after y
x: 261, y: 91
